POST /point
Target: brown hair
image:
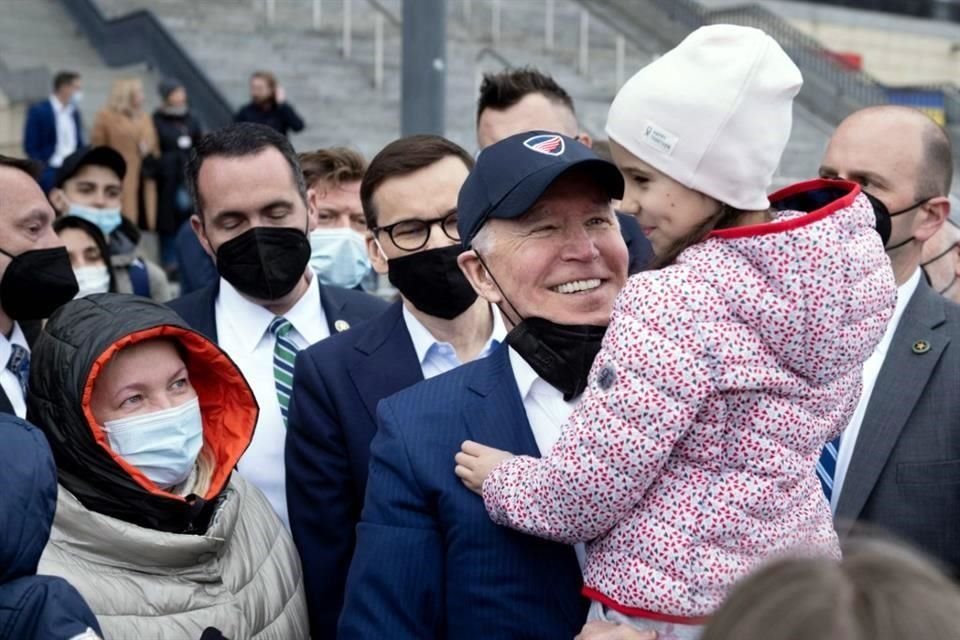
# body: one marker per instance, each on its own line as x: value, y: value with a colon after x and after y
x: 879, y: 591
x: 267, y: 77
x: 333, y: 166
x: 402, y: 157
x: 503, y: 90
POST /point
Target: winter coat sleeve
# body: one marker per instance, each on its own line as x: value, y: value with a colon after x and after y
x: 32, y: 144
x: 101, y: 130
x: 291, y: 117
x: 646, y: 388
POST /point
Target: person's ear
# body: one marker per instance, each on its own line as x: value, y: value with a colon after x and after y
x: 313, y: 205
x: 197, y: 225
x: 58, y: 199
x: 585, y: 139
x: 933, y: 214
x: 478, y: 277
x: 378, y: 259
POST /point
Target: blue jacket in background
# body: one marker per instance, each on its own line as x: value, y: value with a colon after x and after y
x: 40, y: 137
x: 197, y: 269
x: 32, y: 606
x: 429, y: 561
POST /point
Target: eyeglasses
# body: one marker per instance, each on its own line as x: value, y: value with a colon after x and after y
x: 411, y: 235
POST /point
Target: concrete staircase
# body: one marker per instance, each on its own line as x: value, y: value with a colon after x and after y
x: 336, y: 96
x: 39, y: 33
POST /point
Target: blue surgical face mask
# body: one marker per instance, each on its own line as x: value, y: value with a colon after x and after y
x: 163, y: 445
x: 106, y: 219
x: 339, y: 256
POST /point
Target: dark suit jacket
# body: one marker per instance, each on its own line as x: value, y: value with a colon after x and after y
x: 31, y: 330
x: 40, y: 134
x: 197, y: 269
x: 904, y: 475
x: 638, y: 247
x: 429, y: 562
x: 336, y: 387
x: 339, y: 306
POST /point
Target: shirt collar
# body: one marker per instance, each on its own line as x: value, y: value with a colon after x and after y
x: 523, y: 373
x: 60, y: 108
x: 251, y: 322
x: 423, y: 340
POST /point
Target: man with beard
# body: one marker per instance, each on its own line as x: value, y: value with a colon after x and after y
x: 252, y: 218
x: 409, y: 200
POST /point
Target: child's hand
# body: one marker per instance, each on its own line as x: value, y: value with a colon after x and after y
x: 475, y: 462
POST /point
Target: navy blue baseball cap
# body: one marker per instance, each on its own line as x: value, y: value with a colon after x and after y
x: 511, y: 175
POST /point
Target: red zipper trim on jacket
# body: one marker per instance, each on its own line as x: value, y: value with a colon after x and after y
x: 633, y: 612
x: 795, y: 223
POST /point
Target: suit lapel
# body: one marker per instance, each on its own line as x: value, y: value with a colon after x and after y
x: 5, y: 405
x: 387, y: 362
x: 332, y: 307
x: 495, y: 415
x: 898, y: 388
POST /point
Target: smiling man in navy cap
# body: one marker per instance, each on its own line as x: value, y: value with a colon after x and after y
x: 542, y: 243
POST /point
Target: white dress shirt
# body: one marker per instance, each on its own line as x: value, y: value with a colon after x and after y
x: 243, y: 332
x: 871, y: 369
x: 66, y: 131
x: 8, y: 380
x: 439, y: 357
x: 546, y: 410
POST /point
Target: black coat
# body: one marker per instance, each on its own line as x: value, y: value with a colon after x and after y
x: 67, y: 357
x: 281, y: 117
x: 170, y: 166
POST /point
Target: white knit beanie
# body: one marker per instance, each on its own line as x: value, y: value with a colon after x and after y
x: 714, y: 113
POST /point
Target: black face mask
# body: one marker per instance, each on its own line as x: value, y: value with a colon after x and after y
x: 432, y: 281
x: 883, y: 216
x: 265, y: 263
x: 923, y: 265
x: 561, y: 354
x: 36, y: 283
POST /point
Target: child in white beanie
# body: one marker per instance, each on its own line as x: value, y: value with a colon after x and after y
x: 690, y: 458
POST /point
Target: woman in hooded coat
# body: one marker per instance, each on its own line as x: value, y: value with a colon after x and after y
x: 147, y: 420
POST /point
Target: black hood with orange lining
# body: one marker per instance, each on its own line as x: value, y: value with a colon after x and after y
x: 68, y: 356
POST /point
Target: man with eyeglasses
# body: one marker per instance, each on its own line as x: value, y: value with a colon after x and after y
x: 941, y: 261
x: 409, y: 198
x: 896, y: 466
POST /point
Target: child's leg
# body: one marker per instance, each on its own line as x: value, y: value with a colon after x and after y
x: 665, y: 630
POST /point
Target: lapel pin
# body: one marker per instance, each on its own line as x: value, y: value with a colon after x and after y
x: 343, y: 325
x: 921, y: 346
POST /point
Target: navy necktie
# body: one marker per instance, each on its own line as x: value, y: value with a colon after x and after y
x: 19, y: 365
